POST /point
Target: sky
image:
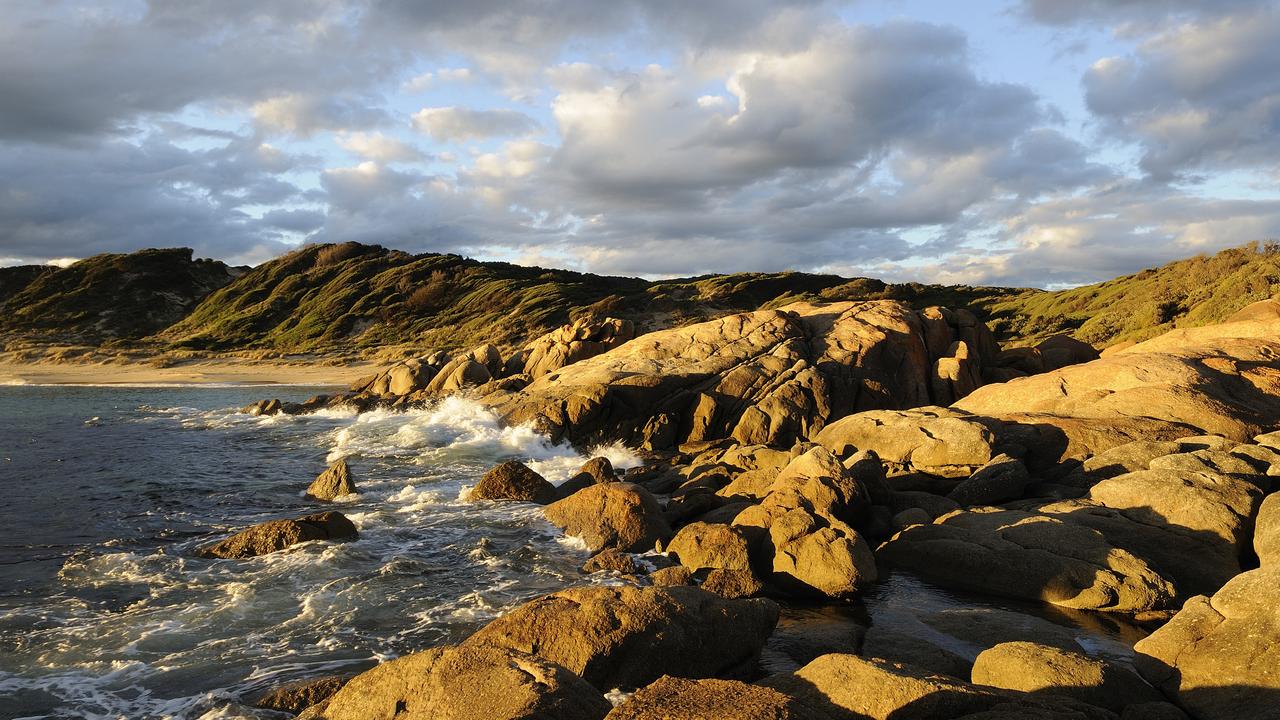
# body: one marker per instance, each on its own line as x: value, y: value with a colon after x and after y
x: 1037, y: 143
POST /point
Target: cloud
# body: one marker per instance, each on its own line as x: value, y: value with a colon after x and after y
x: 304, y: 115
x: 379, y: 147
x: 459, y: 124
x: 1129, y: 12
x: 1201, y: 96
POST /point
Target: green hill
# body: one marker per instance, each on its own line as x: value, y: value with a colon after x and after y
x: 107, y: 297
x: 352, y: 299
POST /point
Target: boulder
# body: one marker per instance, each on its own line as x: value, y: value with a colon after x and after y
x: 848, y: 687
x: 610, y: 560
x: 1214, y: 506
x: 626, y: 637
x: 1032, y: 556
x: 671, y: 576
x: 264, y: 407
x: 617, y: 515
x: 276, y: 535
x: 763, y: 377
x: 1035, y: 668
x: 334, y: 482
x: 594, y: 471
x: 732, y: 583
x: 1003, y: 478
x: 1266, y: 533
x: 467, y: 683
x: 294, y: 697
x: 670, y: 698
x: 936, y: 440
x: 1219, y: 657
x: 704, y: 545
x: 828, y: 488
x: 513, y: 480
x: 571, y: 343
x: 1129, y: 457
x: 804, y: 553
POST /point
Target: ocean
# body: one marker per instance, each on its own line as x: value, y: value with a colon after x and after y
x: 106, y: 613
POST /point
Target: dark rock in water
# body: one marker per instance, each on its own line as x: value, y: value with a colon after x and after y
x: 276, y: 535
x: 463, y: 683
x: 296, y: 696
x: 671, y: 698
x: 334, y: 482
x: 619, y: 515
x: 1034, y: 668
x: 732, y: 583
x: 1001, y: 479
x: 625, y: 637
x: 1217, y: 657
x: 513, y: 480
x: 594, y: 471
x: 263, y: 407
x: 610, y: 560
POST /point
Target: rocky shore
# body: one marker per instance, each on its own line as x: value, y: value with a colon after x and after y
x: 803, y: 454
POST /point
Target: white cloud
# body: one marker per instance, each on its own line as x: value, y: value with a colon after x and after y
x: 379, y: 147
x: 459, y: 124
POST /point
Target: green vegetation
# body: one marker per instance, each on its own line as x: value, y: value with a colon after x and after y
x: 1202, y: 290
x: 353, y: 299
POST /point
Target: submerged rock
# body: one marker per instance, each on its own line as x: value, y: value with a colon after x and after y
x: 617, y: 515
x: 296, y: 696
x: 334, y: 482
x: 513, y: 480
x: 466, y: 683
x: 276, y: 535
x: 626, y: 637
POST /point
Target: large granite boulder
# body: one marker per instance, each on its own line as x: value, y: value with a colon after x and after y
x: 1003, y: 478
x: 671, y: 698
x: 626, y: 637
x: 1219, y: 657
x: 1035, y: 668
x: 617, y: 515
x: 936, y: 440
x: 569, y: 344
x: 276, y: 535
x: 513, y: 480
x: 334, y: 482
x: 770, y: 376
x: 1032, y: 556
x: 466, y: 683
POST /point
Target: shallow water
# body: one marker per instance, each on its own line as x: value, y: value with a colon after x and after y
x: 104, y: 613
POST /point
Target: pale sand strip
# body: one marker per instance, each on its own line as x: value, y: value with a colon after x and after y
x: 193, y: 373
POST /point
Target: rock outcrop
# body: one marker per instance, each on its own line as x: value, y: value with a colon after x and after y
x: 294, y: 697
x: 1043, y: 669
x: 935, y: 440
x: 617, y: 515
x: 466, y: 683
x: 769, y: 376
x: 571, y: 343
x: 276, y: 535
x: 1266, y: 533
x: 672, y: 698
x: 626, y: 637
x: 334, y: 482
x: 513, y: 480
x: 1219, y: 657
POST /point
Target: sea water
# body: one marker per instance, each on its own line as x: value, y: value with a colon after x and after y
x: 105, y: 492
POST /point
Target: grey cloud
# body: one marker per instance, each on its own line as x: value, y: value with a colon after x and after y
x: 1058, y: 12
x: 1202, y: 96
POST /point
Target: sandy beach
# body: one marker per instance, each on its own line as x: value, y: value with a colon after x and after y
x: 197, y: 372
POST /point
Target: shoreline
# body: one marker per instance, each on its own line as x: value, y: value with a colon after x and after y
x: 194, y: 373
